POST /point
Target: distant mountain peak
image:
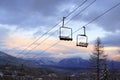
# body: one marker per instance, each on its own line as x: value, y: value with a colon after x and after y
x: 73, y: 62
x: 3, y: 54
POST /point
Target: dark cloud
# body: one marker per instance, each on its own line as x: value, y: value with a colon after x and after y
x: 109, y: 22
x: 46, y: 13
x: 32, y: 13
x: 46, y: 7
x: 112, y: 40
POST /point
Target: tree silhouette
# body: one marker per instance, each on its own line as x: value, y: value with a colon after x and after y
x: 97, y: 59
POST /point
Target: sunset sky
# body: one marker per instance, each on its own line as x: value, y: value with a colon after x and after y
x: 24, y: 21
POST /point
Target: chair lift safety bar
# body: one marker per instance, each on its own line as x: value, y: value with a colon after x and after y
x: 63, y: 36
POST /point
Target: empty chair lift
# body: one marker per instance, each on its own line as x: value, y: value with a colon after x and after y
x: 82, y: 39
x: 65, y: 32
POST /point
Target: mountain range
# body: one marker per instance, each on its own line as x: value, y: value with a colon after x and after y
x: 66, y: 63
x: 8, y: 59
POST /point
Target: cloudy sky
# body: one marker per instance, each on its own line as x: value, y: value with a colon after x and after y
x: 24, y: 21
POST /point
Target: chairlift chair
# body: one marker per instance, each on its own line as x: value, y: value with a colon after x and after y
x: 82, y: 39
x: 65, y: 37
x: 82, y: 43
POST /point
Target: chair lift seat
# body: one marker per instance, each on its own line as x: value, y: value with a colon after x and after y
x: 65, y: 38
x: 82, y: 44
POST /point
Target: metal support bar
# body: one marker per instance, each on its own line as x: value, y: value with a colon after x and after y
x: 84, y: 30
x: 63, y: 21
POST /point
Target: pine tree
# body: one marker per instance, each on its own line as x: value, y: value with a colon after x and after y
x: 97, y: 59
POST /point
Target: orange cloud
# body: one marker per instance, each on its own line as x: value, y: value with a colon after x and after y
x: 112, y: 53
x: 111, y: 48
x: 18, y: 42
x: 58, y: 50
x: 114, y: 56
x: 62, y: 46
